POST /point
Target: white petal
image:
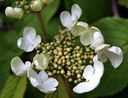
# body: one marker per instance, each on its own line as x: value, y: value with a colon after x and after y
x: 101, y: 52
x: 88, y: 72
x: 29, y: 34
x: 33, y: 77
x: 86, y: 38
x: 93, y: 36
x: 65, y: 18
x: 76, y: 11
x: 53, y: 82
x: 18, y: 67
x: 19, y: 42
x: 99, y: 69
x: 40, y: 61
x: 79, y: 28
x: 28, y: 65
x: 37, y: 40
x: 95, y: 58
x: 49, y: 85
x: 115, y: 55
x: 86, y: 86
x: 102, y: 47
x: 29, y: 48
x: 43, y: 75
x: 98, y: 39
x: 25, y: 45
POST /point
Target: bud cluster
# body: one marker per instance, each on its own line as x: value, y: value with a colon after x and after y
x: 33, y: 5
x: 26, y: 6
x: 65, y: 58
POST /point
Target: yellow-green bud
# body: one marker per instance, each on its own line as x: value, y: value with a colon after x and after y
x: 36, y: 5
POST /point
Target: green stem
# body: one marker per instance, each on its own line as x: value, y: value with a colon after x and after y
x: 68, y: 88
x: 42, y: 27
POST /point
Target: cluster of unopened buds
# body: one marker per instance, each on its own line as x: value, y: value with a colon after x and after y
x: 81, y: 65
x: 26, y: 6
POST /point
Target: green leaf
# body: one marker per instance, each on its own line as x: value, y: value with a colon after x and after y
x: 50, y: 10
x: 61, y: 90
x: 123, y: 3
x: 8, y: 50
x: 15, y: 87
x: 115, y: 31
x: 92, y: 10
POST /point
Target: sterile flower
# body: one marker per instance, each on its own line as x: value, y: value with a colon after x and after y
x: 18, y: 67
x: 70, y: 21
x: 36, y: 5
x: 40, y: 61
x: 42, y: 81
x: 92, y: 37
x: 114, y: 54
x: 30, y: 40
x: 14, y: 12
x: 92, y: 74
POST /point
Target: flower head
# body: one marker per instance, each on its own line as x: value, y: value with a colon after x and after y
x: 114, y: 54
x: 29, y: 40
x: 42, y: 81
x: 14, y: 12
x: 92, y: 74
x: 18, y: 67
x: 61, y: 57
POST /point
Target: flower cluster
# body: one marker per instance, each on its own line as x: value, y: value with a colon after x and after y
x: 81, y: 65
x: 25, y: 6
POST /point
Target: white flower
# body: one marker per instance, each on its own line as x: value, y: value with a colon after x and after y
x: 29, y: 40
x: 14, y: 12
x: 18, y: 67
x: 70, y: 20
x: 36, y: 5
x: 92, y: 37
x: 42, y: 81
x: 114, y: 54
x: 92, y: 76
x: 40, y: 61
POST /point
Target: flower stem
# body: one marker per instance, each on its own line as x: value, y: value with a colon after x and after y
x: 68, y: 88
x: 115, y: 8
x: 42, y: 27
